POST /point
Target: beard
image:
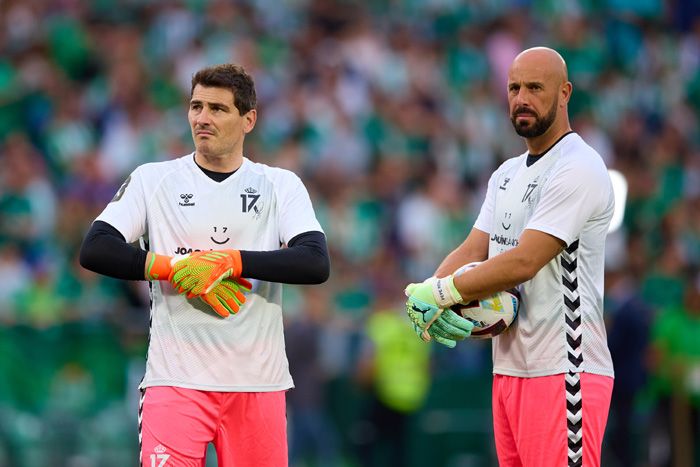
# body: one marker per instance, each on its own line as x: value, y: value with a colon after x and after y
x: 539, y: 127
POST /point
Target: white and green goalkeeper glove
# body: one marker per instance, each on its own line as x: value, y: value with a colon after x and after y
x: 425, y: 306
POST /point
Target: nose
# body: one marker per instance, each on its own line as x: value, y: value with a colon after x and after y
x: 521, y: 98
x: 203, y: 118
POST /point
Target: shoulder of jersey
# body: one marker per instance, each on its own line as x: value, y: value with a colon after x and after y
x: 582, y: 156
x: 275, y: 173
x: 163, y: 167
x: 513, y: 161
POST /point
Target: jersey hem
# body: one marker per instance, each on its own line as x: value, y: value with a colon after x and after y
x: 536, y: 374
x: 206, y: 387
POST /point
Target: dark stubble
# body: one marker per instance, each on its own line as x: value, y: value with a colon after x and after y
x: 538, y: 128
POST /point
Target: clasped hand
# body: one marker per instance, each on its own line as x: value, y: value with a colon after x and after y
x: 430, y: 321
x: 214, y: 276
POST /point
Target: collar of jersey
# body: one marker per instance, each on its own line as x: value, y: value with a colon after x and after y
x: 200, y: 172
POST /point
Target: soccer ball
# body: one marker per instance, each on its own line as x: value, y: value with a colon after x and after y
x: 491, y: 315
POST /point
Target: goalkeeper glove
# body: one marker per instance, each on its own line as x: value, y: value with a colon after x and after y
x: 227, y: 297
x: 425, y: 306
x: 159, y: 267
x: 198, y: 273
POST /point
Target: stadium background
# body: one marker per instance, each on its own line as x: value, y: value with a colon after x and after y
x: 394, y: 114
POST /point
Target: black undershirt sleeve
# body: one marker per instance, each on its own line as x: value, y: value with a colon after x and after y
x: 105, y: 251
x: 304, y: 261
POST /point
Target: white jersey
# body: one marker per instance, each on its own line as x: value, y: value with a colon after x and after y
x: 567, y: 194
x: 177, y: 208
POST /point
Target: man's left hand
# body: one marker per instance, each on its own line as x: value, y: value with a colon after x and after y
x: 199, y: 272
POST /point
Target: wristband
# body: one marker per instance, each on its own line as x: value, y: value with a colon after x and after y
x: 445, y: 292
x: 159, y: 268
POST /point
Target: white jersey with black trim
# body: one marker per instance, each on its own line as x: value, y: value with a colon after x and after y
x: 567, y: 194
x: 177, y: 208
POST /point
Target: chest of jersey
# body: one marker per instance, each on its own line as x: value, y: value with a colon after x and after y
x: 202, y: 214
x: 518, y: 191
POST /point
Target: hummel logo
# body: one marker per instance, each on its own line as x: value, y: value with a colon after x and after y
x: 505, y: 182
x: 186, y: 197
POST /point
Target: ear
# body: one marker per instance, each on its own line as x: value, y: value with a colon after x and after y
x: 565, y: 92
x: 250, y: 118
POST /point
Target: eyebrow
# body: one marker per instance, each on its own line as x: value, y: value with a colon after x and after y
x: 211, y: 104
x: 525, y: 83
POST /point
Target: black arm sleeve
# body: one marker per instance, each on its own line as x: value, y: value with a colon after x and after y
x: 105, y: 251
x: 304, y: 261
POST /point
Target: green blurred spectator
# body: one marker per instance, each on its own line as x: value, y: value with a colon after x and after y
x: 676, y: 382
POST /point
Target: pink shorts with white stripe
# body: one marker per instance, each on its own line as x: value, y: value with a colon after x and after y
x: 556, y: 420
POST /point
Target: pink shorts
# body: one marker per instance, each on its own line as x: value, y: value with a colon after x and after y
x: 556, y: 420
x: 248, y: 429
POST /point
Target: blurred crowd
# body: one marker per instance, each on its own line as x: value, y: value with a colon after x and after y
x: 393, y: 113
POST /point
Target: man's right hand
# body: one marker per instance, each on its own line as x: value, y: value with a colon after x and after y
x: 429, y: 321
x: 227, y: 297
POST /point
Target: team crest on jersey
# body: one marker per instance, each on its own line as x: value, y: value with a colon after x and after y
x: 186, y: 199
x: 159, y: 458
x: 250, y: 202
x: 530, y: 197
x: 528, y: 192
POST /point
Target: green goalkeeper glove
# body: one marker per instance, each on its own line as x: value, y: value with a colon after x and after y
x: 199, y: 272
x: 426, y: 312
x: 227, y: 296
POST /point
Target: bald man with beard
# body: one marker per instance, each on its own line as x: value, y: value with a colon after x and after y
x: 541, y: 228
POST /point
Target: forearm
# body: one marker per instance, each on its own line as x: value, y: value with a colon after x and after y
x: 105, y: 251
x: 511, y: 268
x: 305, y: 261
x: 499, y: 273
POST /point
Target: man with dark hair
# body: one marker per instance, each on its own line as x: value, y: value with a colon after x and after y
x: 216, y: 367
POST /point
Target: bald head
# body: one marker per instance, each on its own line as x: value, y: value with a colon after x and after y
x: 542, y: 60
x: 538, y: 95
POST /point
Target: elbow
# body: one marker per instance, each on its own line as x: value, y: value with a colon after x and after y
x: 86, y: 259
x: 321, y: 272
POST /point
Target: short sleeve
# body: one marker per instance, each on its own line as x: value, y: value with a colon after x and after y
x: 296, y: 213
x: 570, y: 198
x: 127, y: 210
x: 484, y: 221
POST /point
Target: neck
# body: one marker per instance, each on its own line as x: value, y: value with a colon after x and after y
x: 225, y: 163
x: 541, y: 143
